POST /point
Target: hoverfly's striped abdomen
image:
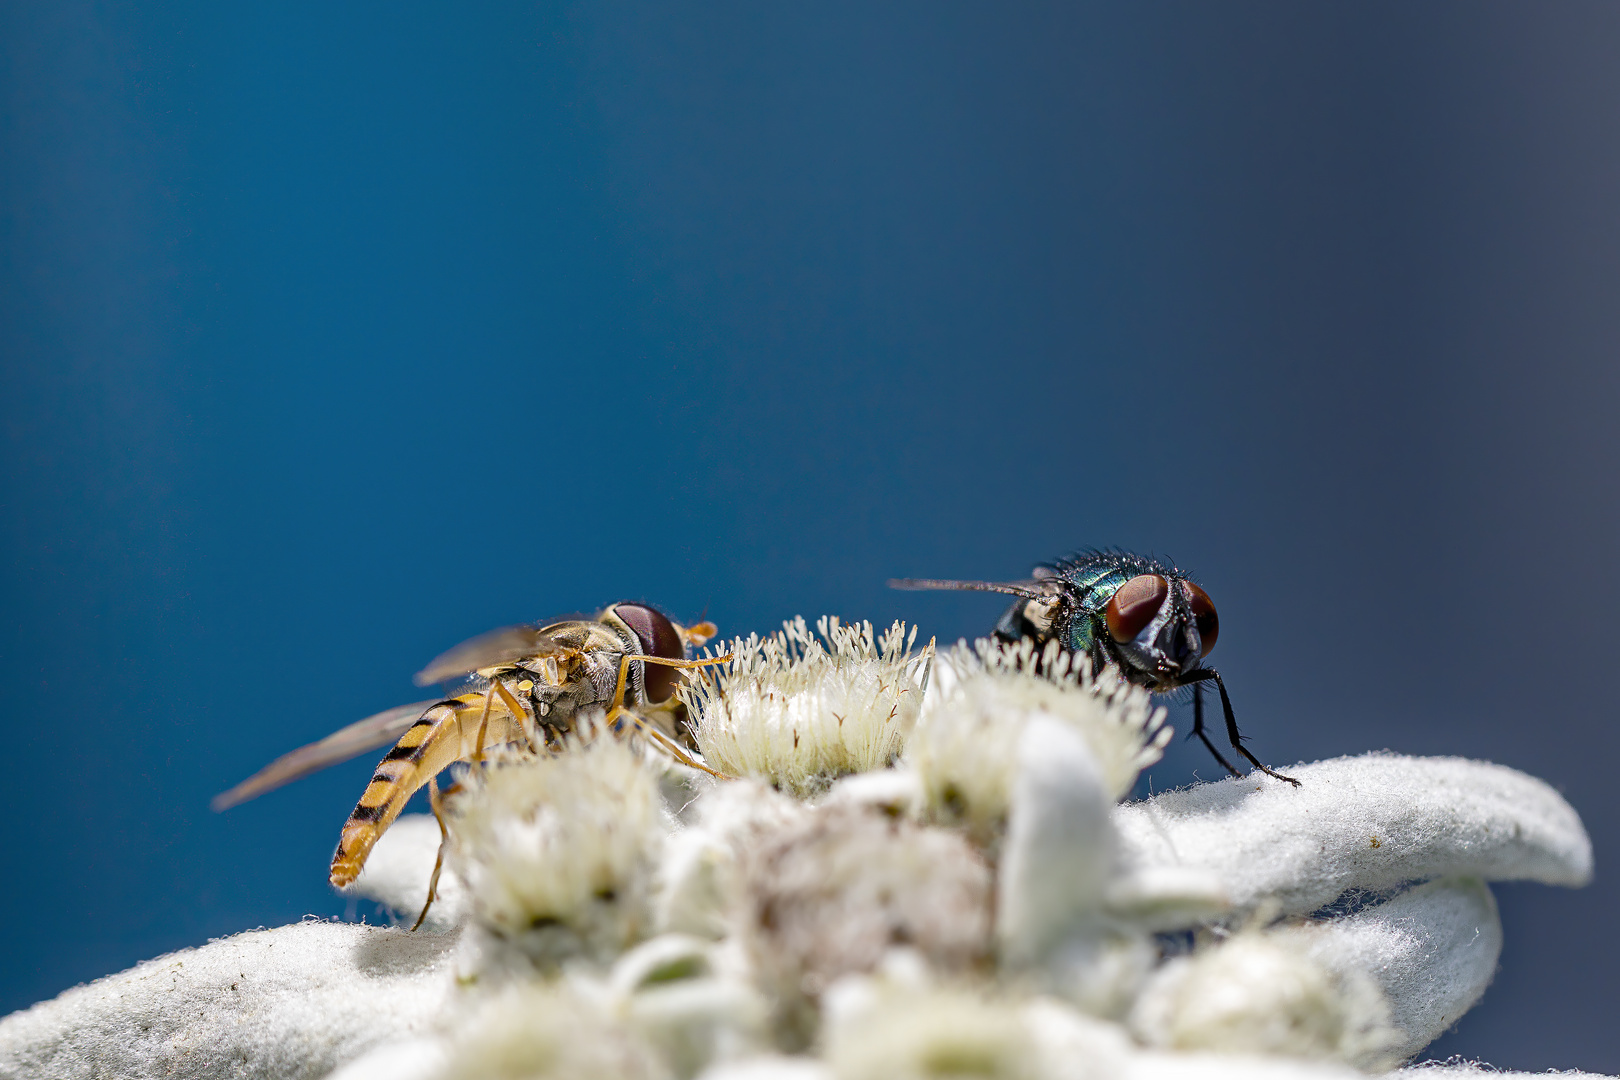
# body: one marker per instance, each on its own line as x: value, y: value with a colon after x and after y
x: 443, y: 735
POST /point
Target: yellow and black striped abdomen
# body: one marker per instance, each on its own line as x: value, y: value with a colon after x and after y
x: 446, y: 733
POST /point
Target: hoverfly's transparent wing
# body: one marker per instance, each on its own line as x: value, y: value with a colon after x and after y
x: 357, y: 738
x: 1040, y: 589
x: 486, y: 650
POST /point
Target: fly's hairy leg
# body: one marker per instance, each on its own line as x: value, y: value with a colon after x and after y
x: 438, y: 862
x: 1237, y: 738
x: 659, y: 739
x: 1198, y: 728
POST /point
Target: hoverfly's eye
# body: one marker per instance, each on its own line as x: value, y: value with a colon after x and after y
x: 1134, y: 604
x: 1204, y: 617
x: 658, y: 637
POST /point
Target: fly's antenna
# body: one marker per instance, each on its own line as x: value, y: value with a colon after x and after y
x: 1028, y: 590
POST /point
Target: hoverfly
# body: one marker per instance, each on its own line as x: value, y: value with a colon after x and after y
x: 1143, y: 616
x: 528, y: 685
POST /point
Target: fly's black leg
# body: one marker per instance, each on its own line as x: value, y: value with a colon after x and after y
x: 1233, y: 734
x: 1198, y: 728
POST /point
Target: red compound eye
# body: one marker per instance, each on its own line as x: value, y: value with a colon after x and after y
x: 1133, y: 606
x: 658, y: 637
x: 1204, y: 617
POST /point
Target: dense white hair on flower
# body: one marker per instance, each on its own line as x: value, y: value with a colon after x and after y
x: 544, y: 1032
x: 964, y: 748
x: 878, y: 1030
x: 939, y: 1034
x: 698, y: 887
x: 1432, y: 950
x: 558, y: 853
x: 1372, y: 822
x: 800, y: 710
x: 678, y: 995
x: 830, y: 894
x: 1264, y: 993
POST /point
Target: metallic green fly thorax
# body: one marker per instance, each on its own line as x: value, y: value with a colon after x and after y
x: 1093, y: 577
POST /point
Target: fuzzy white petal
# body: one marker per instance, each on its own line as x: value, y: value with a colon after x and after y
x: 1059, y: 850
x: 413, y: 1059
x: 770, y: 1067
x: 1162, y: 1066
x: 1369, y: 822
x: 296, y: 1001
x: 1265, y: 993
x: 1432, y: 950
x: 1474, y: 1070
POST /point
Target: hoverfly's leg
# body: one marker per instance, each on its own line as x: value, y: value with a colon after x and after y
x: 670, y: 746
x: 1233, y: 734
x: 663, y: 741
x: 519, y: 713
x: 438, y: 863
x: 1198, y: 728
x: 483, y: 722
x: 625, y: 660
x: 529, y: 721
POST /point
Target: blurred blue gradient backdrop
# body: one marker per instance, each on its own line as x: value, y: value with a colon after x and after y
x: 333, y: 334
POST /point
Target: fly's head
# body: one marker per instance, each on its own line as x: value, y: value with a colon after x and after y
x: 1161, y: 627
x: 649, y: 632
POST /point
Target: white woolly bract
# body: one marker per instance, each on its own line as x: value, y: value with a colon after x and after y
x: 925, y: 1033
x: 544, y: 1032
x: 1264, y: 993
x: 562, y: 842
x: 964, y: 747
x: 799, y: 709
x: 939, y: 1034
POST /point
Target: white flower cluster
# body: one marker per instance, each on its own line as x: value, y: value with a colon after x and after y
x: 907, y: 881
x: 557, y: 854
x: 799, y: 709
x: 982, y: 698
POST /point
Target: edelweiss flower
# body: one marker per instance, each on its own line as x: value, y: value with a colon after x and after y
x: 899, y: 888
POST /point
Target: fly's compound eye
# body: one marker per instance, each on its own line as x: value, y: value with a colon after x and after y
x: 658, y: 637
x: 1204, y: 617
x: 1134, y: 604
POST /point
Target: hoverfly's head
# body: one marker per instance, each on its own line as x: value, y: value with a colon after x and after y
x: 1162, y: 627
x: 657, y: 636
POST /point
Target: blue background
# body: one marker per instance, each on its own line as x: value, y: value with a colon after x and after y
x: 333, y: 334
